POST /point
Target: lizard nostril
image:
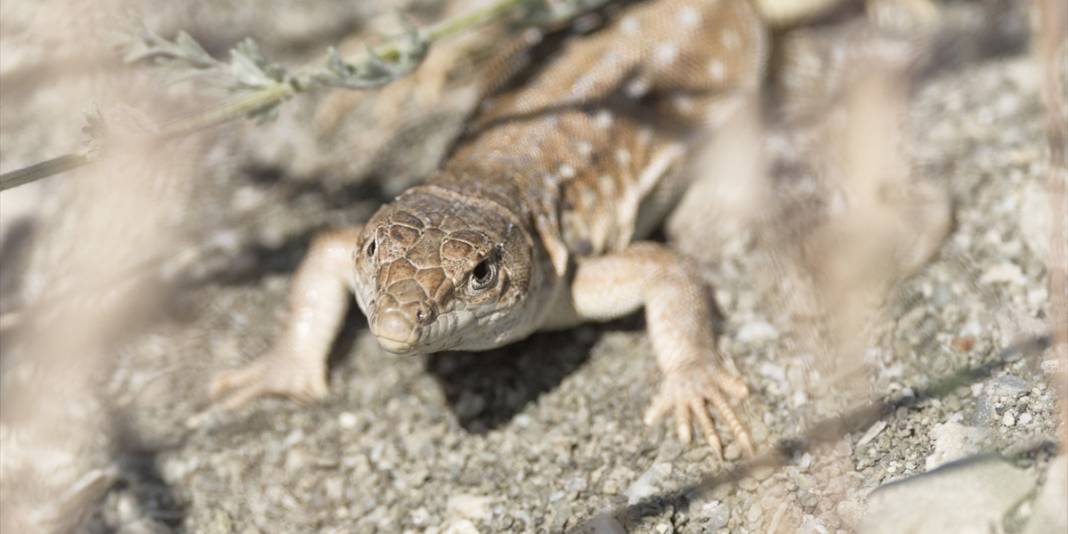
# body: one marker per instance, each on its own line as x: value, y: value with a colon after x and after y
x: 424, y: 314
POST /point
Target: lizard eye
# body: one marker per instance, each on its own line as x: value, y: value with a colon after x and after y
x: 371, y: 247
x: 483, y: 275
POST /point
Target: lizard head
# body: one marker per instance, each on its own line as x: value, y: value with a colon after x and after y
x: 434, y: 274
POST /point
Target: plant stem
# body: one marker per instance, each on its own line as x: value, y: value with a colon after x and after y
x: 261, y: 98
x: 40, y: 170
x: 235, y: 108
x: 459, y: 23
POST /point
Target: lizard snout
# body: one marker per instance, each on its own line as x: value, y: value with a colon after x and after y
x: 397, y: 328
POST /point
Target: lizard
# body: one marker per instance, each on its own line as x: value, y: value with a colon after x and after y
x: 539, y: 220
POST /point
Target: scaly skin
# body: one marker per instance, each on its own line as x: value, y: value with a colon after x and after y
x: 532, y: 223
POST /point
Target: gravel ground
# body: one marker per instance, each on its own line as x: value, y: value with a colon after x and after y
x: 545, y: 435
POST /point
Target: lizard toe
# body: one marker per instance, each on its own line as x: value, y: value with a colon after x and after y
x: 707, y: 428
x: 688, y: 395
x: 727, y: 414
x: 658, y: 409
x: 682, y: 421
x: 266, y: 376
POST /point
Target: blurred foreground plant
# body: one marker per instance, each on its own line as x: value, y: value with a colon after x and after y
x: 261, y: 85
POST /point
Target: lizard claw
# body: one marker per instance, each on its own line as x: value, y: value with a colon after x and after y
x: 685, y: 393
x: 269, y: 375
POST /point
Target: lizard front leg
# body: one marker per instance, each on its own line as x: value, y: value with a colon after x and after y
x: 318, y: 300
x: 679, y: 321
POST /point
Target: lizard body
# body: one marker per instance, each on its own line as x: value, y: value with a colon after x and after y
x: 535, y: 220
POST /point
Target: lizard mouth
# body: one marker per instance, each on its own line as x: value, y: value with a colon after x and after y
x: 393, y: 345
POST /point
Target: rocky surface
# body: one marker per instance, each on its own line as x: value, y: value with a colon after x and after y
x: 545, y: 435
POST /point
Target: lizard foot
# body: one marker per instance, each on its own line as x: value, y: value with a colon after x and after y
x: 686, y: 391
x: 271, y: 374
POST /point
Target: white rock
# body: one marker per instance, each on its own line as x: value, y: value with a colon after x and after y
x: 966, y: 497
x: 971, y: 329
x: 420, y: 516
x: 469, y: 506
x: 462, y: 526
x: 1008, y: 419
x: 1050, y: 514
x: 603, y: 523
x: 757, y: 331
x: 576, y: 484
x: 953, y: 441
x: 347, y: 420
x: 811, y: 525
x: 717, y: 514
x: 871, y: 433
x: 775, y: 373
x: 1003, y: 273
x: 1008, y: 385
x: 649, y: 482
x: 1037, y: 297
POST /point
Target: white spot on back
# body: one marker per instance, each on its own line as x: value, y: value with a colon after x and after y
x: 665, y: 54
x: 629, y: 25
x: 603, y: 119
x: 584, y: 148
x: 583, y: 85
x: 622, y: 156
x: 716, y: 70
x: 688, y: 17
x: 637, y: 88
x: 567, y: 171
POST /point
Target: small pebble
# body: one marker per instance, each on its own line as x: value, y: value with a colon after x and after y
x: 753, y: 516
x: 756, y: 332
x: 469, y: 506
x: 1008, y: 419
x: 872, y: 432
x: 732, y: 452
x: 1003, y: 273
x: 346, y: 420
x: 763, y: 472
x: 759, y: 432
